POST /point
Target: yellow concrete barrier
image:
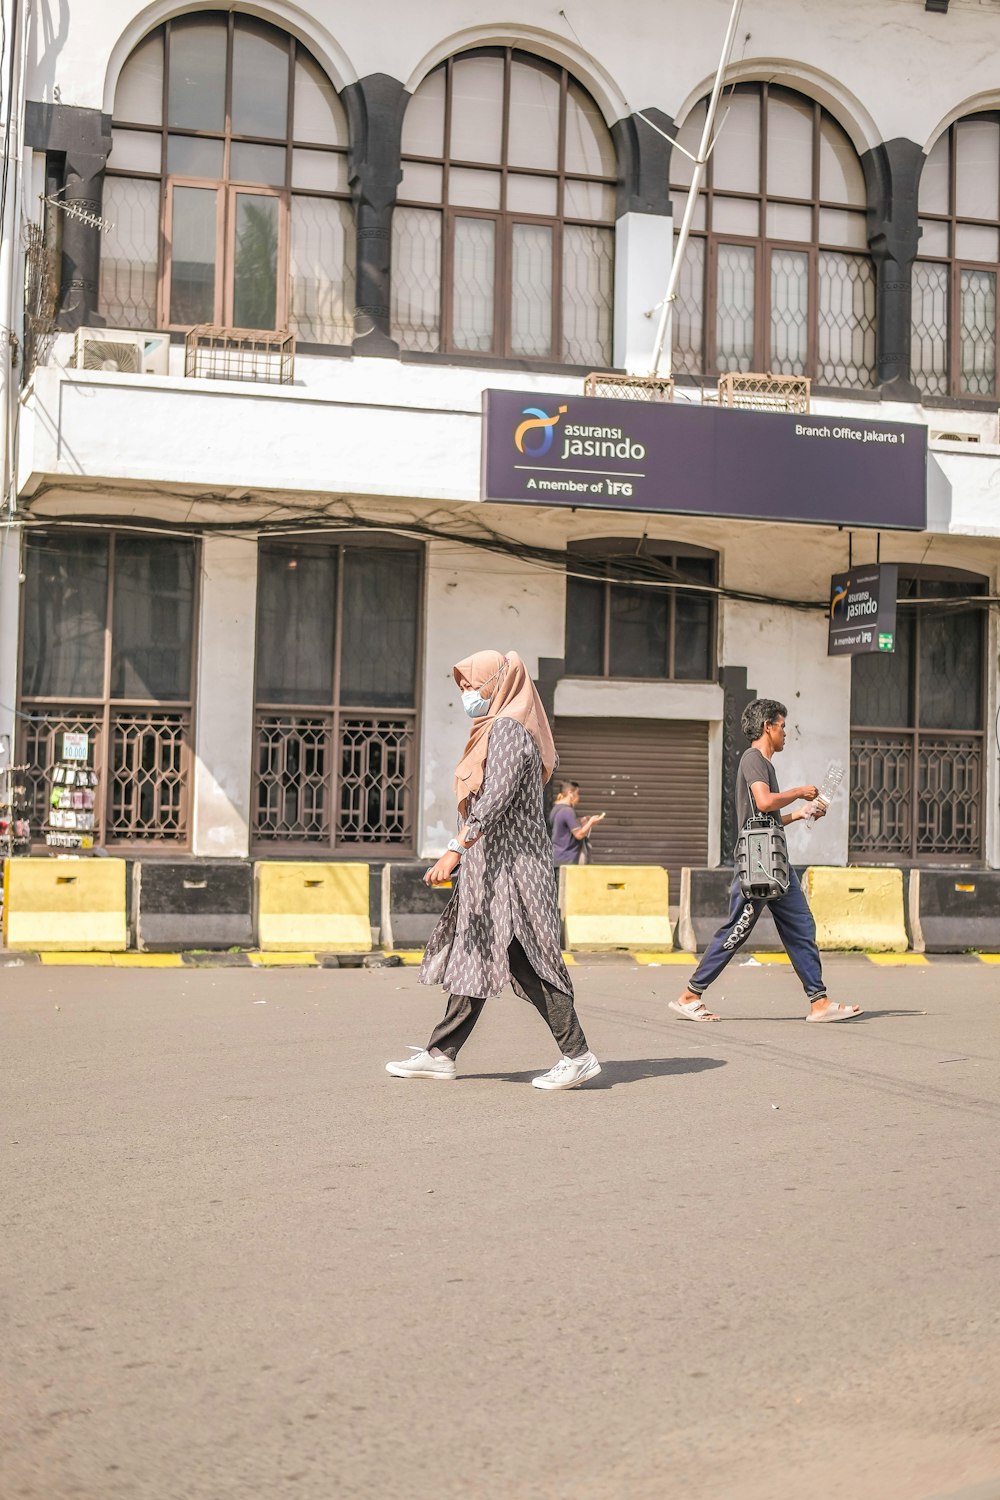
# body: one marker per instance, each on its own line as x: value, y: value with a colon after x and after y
x: 313, y: 908
x: 52, y: 905
x: 857, y: 909
x: 615, y: 906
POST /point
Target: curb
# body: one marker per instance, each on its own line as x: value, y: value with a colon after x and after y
x: 252, y: 959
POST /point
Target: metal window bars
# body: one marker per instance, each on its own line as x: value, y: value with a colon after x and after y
x: 256, y: 355
x: 334, y: 780
x: 916, y: 795
x: 142, y: 757
x: 760, y: 392
x: 629, y: 387
x: 746, y: 392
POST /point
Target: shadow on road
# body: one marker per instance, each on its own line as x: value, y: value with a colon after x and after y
x: 629, y: 1070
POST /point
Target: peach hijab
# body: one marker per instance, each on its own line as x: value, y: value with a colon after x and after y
x: 504, y: 679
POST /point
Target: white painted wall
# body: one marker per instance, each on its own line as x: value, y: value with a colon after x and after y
x: 643, y: 250
x: 585, y: 697
x: 224, y: 713
x: 364, y: 427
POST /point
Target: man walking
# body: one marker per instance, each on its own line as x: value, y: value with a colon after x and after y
x: 764, y: 726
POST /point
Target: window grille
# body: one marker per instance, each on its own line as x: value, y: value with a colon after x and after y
x: 630, y: 387
x: 112, y: 616
x: 240, y: 354
x: 918, y: 733
x: 765, y: 392
x: 336, y: 719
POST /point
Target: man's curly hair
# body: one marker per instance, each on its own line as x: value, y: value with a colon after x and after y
x: 758, y: 714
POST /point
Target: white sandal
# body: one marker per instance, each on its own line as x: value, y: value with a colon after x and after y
x: 692, y: 1010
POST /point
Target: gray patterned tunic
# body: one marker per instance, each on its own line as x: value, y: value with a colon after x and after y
x: 506, y: 889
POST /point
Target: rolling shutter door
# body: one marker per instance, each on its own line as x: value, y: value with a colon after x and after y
x: 651, y: 778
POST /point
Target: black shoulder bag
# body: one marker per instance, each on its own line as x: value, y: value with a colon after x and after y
x: 761, y: 859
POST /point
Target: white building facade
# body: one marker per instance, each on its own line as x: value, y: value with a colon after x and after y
x: 251, y: 595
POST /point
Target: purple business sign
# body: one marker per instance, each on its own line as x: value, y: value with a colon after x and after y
x: 703, y: 460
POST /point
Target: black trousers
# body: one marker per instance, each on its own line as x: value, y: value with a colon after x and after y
x: 555, y: 1008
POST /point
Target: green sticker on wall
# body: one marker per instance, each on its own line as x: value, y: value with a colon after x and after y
x: 885, y: 641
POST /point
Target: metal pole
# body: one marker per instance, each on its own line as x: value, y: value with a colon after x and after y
x: 666, y: 311
x: 10, y: 240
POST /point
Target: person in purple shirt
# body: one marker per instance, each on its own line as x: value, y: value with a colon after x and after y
x: 568, y: 832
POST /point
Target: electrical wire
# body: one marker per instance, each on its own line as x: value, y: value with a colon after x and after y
x: 637, y: 570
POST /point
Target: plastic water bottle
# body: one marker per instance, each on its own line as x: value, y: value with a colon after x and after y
x: 831, y: 782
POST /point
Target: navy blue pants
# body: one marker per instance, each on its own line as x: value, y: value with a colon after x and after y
x: 796, y: 929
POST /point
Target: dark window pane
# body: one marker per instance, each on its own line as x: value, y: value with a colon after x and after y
x: 65, y: 616
x: 951, y: 673
x: 296, y: 597
x: 693, y: 644
x: 255, y: 273
x: 152, y: 618
x: 193, y: 249
x: 699, y: 569
x: 880, y: 683
x: 378, y: 663
x: 638, y: 645
x: 196, y: 94
x: 260, y: 80
x: 584, y: 628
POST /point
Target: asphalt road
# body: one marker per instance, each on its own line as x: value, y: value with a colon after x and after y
x: 752, y: 1261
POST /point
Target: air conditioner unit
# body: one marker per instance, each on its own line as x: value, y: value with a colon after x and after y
x: 963, y: 427
x: 122, y: 351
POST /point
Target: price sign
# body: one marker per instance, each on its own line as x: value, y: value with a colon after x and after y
x: 76, y: 747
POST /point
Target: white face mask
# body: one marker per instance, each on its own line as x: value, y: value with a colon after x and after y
x: 474, y: 703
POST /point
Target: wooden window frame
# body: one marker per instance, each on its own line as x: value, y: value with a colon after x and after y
x: 505, y: 219
x: 604, y: 553
x: 764, y: 244
x: 956, y: 265
x: 225, y: 185
x: 336, y: 712
x: 104, y: 706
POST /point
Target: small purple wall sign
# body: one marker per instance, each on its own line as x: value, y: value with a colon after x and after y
x: 703, y: 461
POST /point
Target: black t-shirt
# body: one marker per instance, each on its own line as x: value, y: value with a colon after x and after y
x: 754, y: 766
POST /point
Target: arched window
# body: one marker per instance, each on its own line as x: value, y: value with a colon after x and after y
x: 227, y: 185
x: 503, y: 238
x: 955, y: 277
x: 776, y: 275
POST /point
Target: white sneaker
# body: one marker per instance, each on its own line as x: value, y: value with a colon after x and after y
x: 422, y: 1065
x: 569, y: 1073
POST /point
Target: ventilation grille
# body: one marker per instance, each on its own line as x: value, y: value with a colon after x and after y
x: 104, y: 354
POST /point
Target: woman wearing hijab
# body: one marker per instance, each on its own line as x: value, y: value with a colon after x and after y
x: 502, y: 924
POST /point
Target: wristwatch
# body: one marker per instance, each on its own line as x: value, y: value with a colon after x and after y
x: 456, y: 847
